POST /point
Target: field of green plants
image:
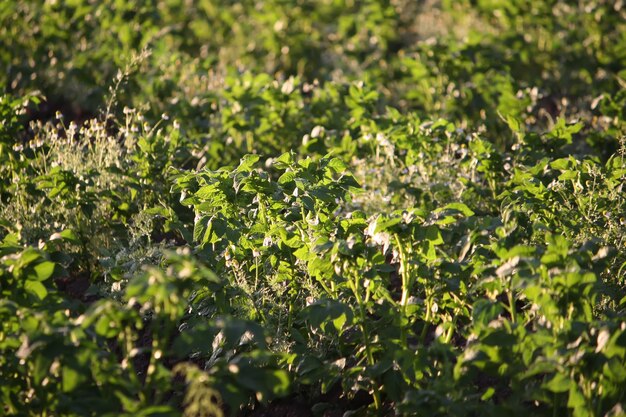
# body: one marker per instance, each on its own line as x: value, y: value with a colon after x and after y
x: 313, y: 208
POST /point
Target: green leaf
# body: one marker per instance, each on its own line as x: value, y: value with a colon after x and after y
x: 513, y: 124
x: 488, y: 394
x: 72, y: 378
x: 568, y: 175
x: 304, y: 253
x: 287, y: 177
x: 283, y: 161
x: 340, y: 321
x: 29, y: 256
x: 280, y: 382
x: 67, y: 235
x: 484, y: 311
x: 499, y: 338
x: 44, y: 270
x: 575, y: 398
x: 105, y: 327
x: 460, y: 207
x: 433, y: 235
x: 326, y: 311
x: 561, y: 164
x: 36, y: 288
x: 247, y: 163
x: 337, y: 165
x: 202, y: 229
x: 267, y: 383
x: 558, y: 383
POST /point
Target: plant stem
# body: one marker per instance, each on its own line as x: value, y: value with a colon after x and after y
x: 366, y: 337
x: 406, y: 284
x: 426, y: 319
x: 512, y: 306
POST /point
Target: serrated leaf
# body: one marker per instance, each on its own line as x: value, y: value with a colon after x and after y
x: 283, y: 161
x: 247, y: 163
x: 337, y: 165
x: 287, y: 177
x: 200, y: 227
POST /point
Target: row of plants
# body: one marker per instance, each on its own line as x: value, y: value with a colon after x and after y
x: 312, y: 208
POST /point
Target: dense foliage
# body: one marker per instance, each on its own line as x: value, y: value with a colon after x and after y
x: 313, y: 208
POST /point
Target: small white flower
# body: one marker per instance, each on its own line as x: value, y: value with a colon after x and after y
x: 317, y: 131
x: 434, y: 308
x: 288, y: 86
